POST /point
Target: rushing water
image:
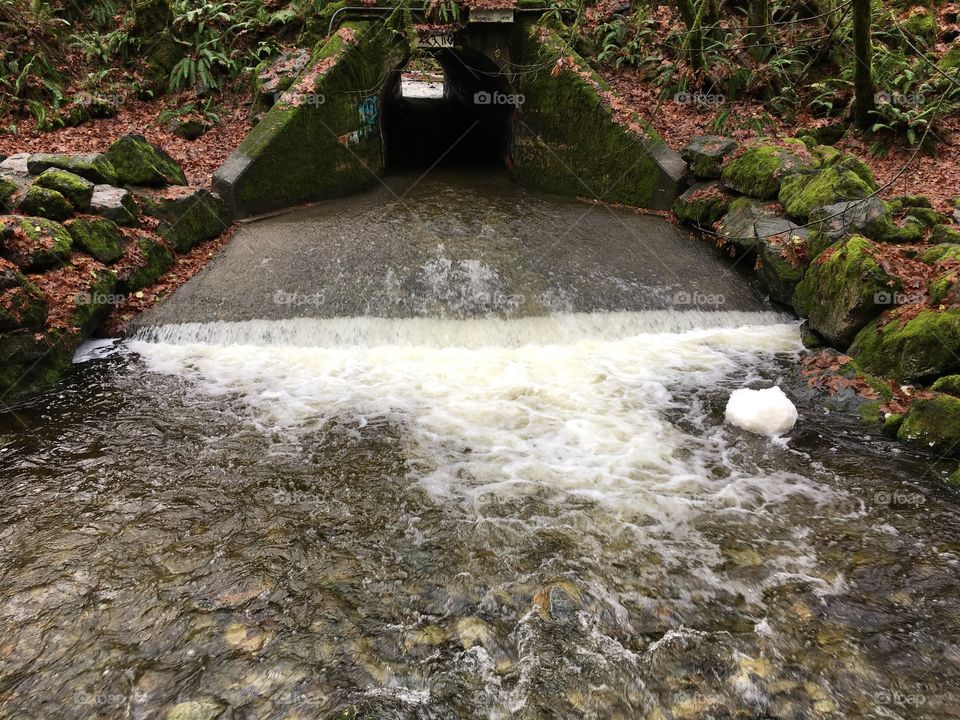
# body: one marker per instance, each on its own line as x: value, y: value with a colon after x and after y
x: 531, y: 517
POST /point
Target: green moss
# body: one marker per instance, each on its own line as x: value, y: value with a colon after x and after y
x: 92, y: 306
x: 98, y: 237
x: 29, y: 363
x: 703, y: 204
x: 883, y: 229
x: 892, y: 423
x: 949, y: 384
x: 840, y: 295
x: 139, y: 162
x: 758, y: 171
x: 22, y: 304
x: 927, y: 216
x: 47, y: 242
x: 74, y: 188
x: 7, y: 189
x: 188, y: 218
x: 940, y: 287
x: 870, y: 413
x: 92, y: 166
x: 922, y: 25
x: 899, y: 202
x: 933, y: 425
x: 802, y: 193
x: 45, y: 203
x: 943, y: 251
x: 945, y: 234
x: 950, y: 59
x: 157, y: 259
x: 925, y: 347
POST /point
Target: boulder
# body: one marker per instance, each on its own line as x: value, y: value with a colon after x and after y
x: 115, y: 204
x: 949, y: 384
x: 75, y: 189
x: 703, y: 204
x: 150, y: 260
x: 737, y: 227
x: 187, y: 215
x: 941, y: 251
x: 843, y: 290
x: 94, y: 300
x: 803, y: 192
x: 139, y: 162
x: 933, y: 425
x: 34, y: 243
x: 7, y: 190
x: 945, y: 234
x: 833, y: 222
x: 705, y: 155
x: 187, y: 128
x: 22, y: 304
x: 759, y: 170
x: 90, y: 166
x: 884, y: 229
x: 30, y: 360
x: 782, y: 250
x: 98, y: 237
x: 16, y: 164
x: 45, y: 203
x: 922, y: 348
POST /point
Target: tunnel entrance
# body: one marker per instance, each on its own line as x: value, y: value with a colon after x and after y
x: 447, y: 107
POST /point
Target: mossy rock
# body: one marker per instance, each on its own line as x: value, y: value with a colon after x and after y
x: 93, y: 304
x: 114, y: 204
x: 834, y: 222
x: 156, y: 259
x: 187, y: 215
x: 802, y: 193
x: 941, y: 287
x: 892, y: 423
x: 950, y: 60
x: 922, y: 24
x: 7, y: 190
x: 883, y: 229
x: 91, y: 166
x: 703, y: 204
x: 31, y: 361
x: 97, y: 237
x: 949, y: 384
x: 925, y: 347
x: 75, y: 189
x: 43, y: 202
x: 928, y: 217
x: 941, y: 251
x: 900, y: 202
x: 759, y: 170
x: 781, y: 245
x: 139, y: 162
x: 933, y: 425
x: 944, y: 233
x: 839, y: 293
x: 22, y: 304
x: 705, y: 155
x: 737, y: 226
x: 39, y: 244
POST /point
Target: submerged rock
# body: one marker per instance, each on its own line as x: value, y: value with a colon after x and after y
x: 139, y: 162
x: 765, y: 412
x: 922, y: 348
x: 91, y: 166
x: 843, y: 291
x: 74, y: 188
x: 933, y: 425
x: 45, y: 203
x: 706, y: 154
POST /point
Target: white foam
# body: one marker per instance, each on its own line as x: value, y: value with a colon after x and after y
x: 766, y: 412
x: 96, y: 349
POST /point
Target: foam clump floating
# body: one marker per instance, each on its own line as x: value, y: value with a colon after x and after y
x: 765, y: 412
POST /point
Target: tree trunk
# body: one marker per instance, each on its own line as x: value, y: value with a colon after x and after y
x: 863, y: 55
x: 758, y: 17
x: 688, y: 12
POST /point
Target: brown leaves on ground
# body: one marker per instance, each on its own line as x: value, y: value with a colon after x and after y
x: 825, y: 371
x: 20, y: 246
x: 66, y: 287
x: 199, y: 158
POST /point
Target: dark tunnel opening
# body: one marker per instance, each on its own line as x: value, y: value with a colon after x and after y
x: 462, y: 115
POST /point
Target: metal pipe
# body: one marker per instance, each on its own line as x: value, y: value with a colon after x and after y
x: 394, y: 7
